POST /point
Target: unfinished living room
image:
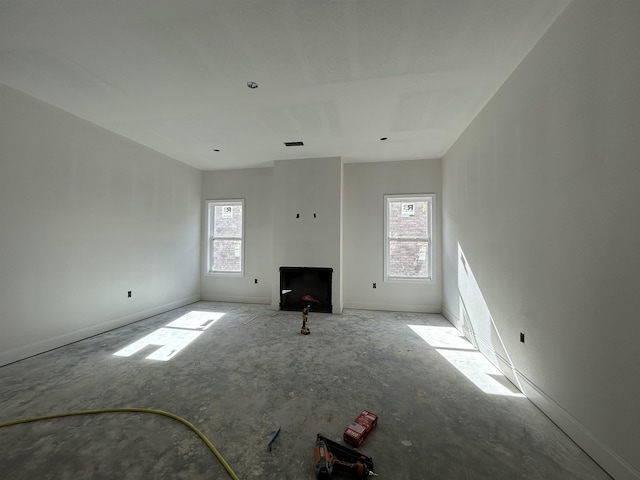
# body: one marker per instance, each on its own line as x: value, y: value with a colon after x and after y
x: 295, y: 239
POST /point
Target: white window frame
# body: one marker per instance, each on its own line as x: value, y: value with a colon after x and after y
x: 210, y: 211
x: 430, y: 198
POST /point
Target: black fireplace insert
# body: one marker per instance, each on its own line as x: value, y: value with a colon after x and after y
x: 302, y: 286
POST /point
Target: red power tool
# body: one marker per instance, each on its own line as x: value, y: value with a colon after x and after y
x: 330, y: 455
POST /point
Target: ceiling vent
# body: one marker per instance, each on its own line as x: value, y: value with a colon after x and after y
x: 293, y: 144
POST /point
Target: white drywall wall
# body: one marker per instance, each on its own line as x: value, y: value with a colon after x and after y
x: 541, y: 198
x: 365, y: 185
x: 255, y: 186
x: 276, y: 236
x: 307, y: 219
x: 86, y: 216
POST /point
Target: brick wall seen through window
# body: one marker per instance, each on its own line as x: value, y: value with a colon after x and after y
x: 408, y: 233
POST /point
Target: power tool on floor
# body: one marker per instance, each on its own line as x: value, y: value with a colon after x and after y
x: 305, y: 312
x: 330, y: 455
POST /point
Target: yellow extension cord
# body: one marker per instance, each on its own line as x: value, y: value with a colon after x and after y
x: 136, y: 410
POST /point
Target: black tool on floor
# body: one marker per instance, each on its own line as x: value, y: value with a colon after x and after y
x: 330, y: 455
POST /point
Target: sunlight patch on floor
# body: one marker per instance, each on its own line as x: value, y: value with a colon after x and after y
x: 173, y: 337
x: 442, y: 337
x: 460, y: 353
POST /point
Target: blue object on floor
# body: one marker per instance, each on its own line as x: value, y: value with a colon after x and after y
x: 274, y: 438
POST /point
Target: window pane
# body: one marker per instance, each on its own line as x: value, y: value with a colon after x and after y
x: 408, y: 258
x: 227, y: 221
x: 408, y: 219
x: 226, y: 255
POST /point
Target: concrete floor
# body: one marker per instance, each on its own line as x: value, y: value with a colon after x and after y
x: 251, y: 372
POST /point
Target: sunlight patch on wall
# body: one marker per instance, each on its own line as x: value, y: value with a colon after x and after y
x: 169, y: 340
x: 478, y: 323
x: 460, y: 353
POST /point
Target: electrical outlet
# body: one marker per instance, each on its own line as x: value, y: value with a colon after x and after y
x: 129, y: 294
x: 522, y: 337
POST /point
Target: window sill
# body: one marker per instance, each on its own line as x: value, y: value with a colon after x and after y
x: 224, y: 274
x: 409, y: 280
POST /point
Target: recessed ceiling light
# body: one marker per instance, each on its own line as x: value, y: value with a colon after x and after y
x: 252, y: 85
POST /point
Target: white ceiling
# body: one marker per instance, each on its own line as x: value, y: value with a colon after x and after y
x: 335, y: 74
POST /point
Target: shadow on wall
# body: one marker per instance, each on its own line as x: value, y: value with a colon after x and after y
x: 478, y: 324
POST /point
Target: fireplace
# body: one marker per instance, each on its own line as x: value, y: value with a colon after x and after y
x: 302, y: 286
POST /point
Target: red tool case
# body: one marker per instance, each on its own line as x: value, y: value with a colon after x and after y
x: 360, y: 428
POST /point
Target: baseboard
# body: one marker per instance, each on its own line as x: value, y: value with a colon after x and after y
x: 609, y: 460
x: 393, y: 307
x: 451, y: 317
x: 489, y: 352
x: 42, y: 346
x: 236, y: 299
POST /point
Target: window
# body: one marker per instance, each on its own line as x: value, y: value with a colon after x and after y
x: 225, y: 227
x: 408, y: 245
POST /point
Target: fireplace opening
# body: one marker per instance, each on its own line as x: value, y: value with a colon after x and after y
x: 302, y: 286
